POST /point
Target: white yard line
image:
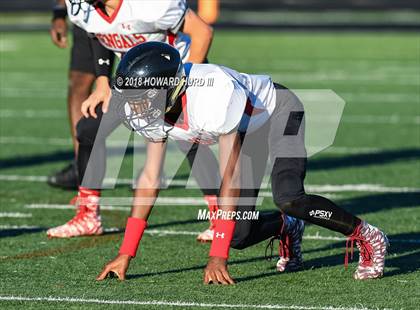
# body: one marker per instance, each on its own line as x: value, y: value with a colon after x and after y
x: 71, y: 207
x: 115, y: 203
x: 14, y: 215
x: 168, y: 232
x: 377, y: 188
x: 182, y: 304
x: 325, y: 188
x: 356, y: 119
x: 4, y: 227
x: 42, y: 141
x: 28, y: 113
x: 35, y: 141
x: 24, y: 178
x: 7, y: 45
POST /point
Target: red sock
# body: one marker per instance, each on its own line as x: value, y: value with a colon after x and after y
x: 89, y: 198
x: 213, y: 207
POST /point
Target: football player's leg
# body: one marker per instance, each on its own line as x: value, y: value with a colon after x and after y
x: 253, y: 162
x: 91, y: 134
x: 287, y: 179
x: 205, y: 170
x: 272, y: 224
x: 81, y: 79
x: 80, y: 86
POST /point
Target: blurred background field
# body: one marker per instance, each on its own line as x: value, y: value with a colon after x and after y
x: 304, y: 15
x: 373, y: 168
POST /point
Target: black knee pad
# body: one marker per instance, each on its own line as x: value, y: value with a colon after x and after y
x: 294, y: 207
x: 287, y: 179
x: 87, y: 128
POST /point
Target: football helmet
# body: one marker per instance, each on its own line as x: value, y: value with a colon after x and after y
x: 150, y: 78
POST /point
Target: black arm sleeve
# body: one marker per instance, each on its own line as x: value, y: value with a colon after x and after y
x: 103, y: 58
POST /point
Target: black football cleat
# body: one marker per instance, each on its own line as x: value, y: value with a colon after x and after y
x: 67, y: 178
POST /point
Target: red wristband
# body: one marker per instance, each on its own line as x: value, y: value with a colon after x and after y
x: 133, y: 233
x: 223, y: 233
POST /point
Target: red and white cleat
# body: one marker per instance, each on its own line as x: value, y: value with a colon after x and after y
x: 290, y: 251
x: 372, y: 244
x: 207, y: 235
x: 86, y: 222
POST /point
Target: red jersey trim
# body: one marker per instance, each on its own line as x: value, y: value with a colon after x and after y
x: 111, y: 18
x: 250, y: 110
x: 184, y: 125
x: 171, y: 38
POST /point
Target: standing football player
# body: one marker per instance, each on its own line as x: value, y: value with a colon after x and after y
x: 119, y: 25
x: 88, y: 60
x: 243, y: 113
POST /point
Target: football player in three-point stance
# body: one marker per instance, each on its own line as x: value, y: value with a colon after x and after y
x: 251, y: 118
x: 119, y: 25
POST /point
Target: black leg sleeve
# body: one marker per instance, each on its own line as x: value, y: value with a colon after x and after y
x: 91, y: 134
x: 289, y: 195
x: 322, y: 212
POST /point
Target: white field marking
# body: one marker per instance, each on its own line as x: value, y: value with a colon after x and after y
x: 67, y: 142
x: 352, y: 150
x: 354, y: 119
x: 359, y: 66
x: 19, y: 227
x: 183, y: 304
x: 168, y: 232
x: 33, y: 93
x: 348, y: 77
x: 15, y: 215
x: 71, y: 207
x: 268, y: 194
x: 7, y: 45
x: 382, y: 97
x: 36, y: 141
x: 373, y: 188
x: 46, y: 141
x: 377, y: 188
x: 8, y: 113
x: 381, y: 119
x: 25, y: 178
x: 116, y: 203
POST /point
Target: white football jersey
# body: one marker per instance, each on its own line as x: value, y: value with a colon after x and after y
x: 217, y: 101
x: 134, y: 22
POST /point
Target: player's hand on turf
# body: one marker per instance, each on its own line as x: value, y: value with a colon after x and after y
x: 118, y: 266
x: 101, y: 94
x: 58, y: 32
x: 216, y: 272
